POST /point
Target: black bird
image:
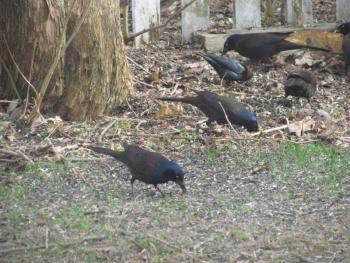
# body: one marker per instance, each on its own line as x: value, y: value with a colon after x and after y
x: 345, y: 30
x: 262, y: 46
x: 212, y: 106
x: 300, y: 83
x: 145, y: 166
x: 228, y: 68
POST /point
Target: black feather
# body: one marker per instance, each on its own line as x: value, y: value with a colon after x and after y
x: 262, y: 46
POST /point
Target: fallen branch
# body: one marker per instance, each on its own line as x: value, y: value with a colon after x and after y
x: 18, y: 154
x: 68, y: 244
x: 106, y: 129
x: 132, y: 36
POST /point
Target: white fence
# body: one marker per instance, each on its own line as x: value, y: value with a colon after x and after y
x: 247, y: 14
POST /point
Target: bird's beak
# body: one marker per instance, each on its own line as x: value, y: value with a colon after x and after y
x: 181, y: 184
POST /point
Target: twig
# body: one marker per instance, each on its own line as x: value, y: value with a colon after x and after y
x: 138, y: 65
x: 270, y: 130
x: 7, y: 101
x: 68, y: 244
x: 30, y: 79
x: 106, y: 129
x: 47, y: 236
x: 19, y: 154
x: 78, y: 25
x: 10, y: 78
x: 228, y: 121
x: 144, y: 83
x: 132, y: 36
x: 17, y: 67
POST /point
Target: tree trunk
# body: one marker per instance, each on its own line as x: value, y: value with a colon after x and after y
x: 32, y: 29
x: 92, y: 77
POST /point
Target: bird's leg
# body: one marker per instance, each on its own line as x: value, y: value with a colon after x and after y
x: 287, y: 103
x: 156, y: 186
x: 132, y: 186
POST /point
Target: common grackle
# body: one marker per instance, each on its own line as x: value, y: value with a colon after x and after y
x: 148, y: 167
x: 300, y: 83
x: 228, y: 68
x: 262, y: 46
x: 345, y: 30
x: 212, y: 105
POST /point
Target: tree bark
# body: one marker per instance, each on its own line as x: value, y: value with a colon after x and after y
x: 32, y: 31
x: 92, y: 76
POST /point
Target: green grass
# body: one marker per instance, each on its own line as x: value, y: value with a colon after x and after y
x: 316, y: 164
x: 12, y: 194
x: 240, y: 234
x: 46, y: 169
x: 73, y: 218
x: 187, y: 137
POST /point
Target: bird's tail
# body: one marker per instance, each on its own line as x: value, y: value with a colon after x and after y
x: 298, y: 46
x: 116, y: 155
x: 189, y: 100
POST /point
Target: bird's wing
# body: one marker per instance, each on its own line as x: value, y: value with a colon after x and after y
x: 258, y: 40
x: 224, y: 62
x: 142, y: 162
x: 305, y: 75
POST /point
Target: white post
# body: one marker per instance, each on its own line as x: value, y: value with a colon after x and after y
x: 299, y: 12
x: 145, y: 14
x: 193, y: 18
x: 343, y: 10
x: 246, y: 14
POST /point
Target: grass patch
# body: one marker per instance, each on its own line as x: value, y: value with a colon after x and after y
x: 11, y: 194
x: 240, y: 234
x: 46, y: 169
x: 73, y: 218
x: 187, y: 137
x: 317, y: 164
x: 157, y: 252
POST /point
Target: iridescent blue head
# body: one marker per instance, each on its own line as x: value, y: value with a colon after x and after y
x: 171, y: 171
x: 246, y: 119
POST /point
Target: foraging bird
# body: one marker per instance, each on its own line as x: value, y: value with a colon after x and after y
x: 217, y: 107
x: 300, y: 83
x: 228, y: 68
x: 145, y: 166
x: 262, y: 46
x: 345, y: 30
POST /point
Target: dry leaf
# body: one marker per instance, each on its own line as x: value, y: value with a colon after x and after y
x: 167, y: 111
x: 196, y: 68
x: 300, y: 127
